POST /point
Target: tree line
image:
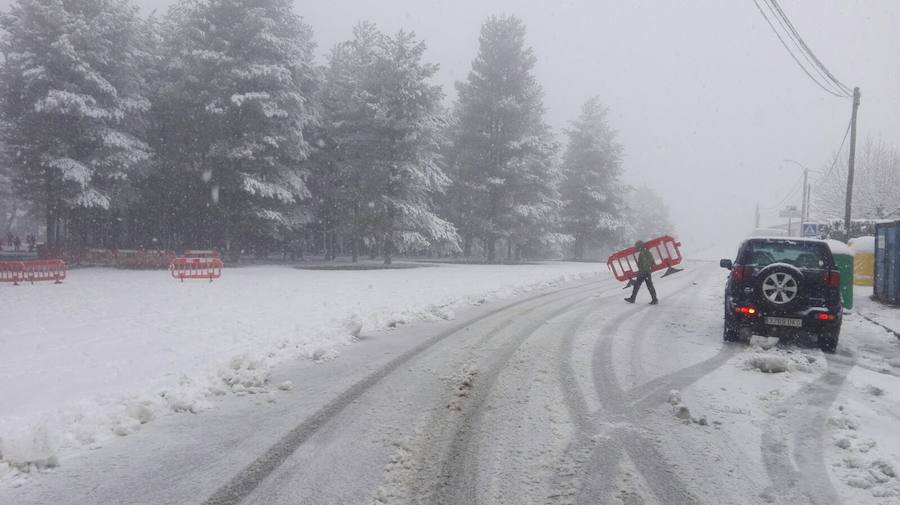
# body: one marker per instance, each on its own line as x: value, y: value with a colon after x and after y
x: 213, y: 126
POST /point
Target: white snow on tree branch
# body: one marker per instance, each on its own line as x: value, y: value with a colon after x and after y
x: 71, y: 170
x: 265, y: 189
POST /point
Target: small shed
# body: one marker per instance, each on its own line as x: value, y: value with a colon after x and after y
x: 887, y: 262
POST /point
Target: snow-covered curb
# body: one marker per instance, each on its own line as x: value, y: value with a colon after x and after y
x: 232, y: 349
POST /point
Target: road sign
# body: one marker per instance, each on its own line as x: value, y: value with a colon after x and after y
x: 810, y: 230
x: 790, y: 212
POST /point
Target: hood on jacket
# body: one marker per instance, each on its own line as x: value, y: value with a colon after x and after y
x: 639, y: 245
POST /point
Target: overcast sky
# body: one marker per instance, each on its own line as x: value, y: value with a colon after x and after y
x: 706, y: 100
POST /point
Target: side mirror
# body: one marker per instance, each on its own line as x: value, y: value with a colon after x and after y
x: 726, y: 264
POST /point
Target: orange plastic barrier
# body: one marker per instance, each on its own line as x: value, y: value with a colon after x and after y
x: 196, y: 253
x: 138, y: 259
x: 11, y: 271
x: 44, y: 270
x: 196, y: 268
x: 664, y: 250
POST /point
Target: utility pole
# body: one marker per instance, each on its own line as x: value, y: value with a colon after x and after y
x: 851, y: 164
x: 757, y: 217
x: 808, y: 200
x: 803, y: 208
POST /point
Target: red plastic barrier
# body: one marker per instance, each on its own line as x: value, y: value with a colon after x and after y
x: 664, y: 250
x: 11, y: 271
x: 196, y: 268
x: 196, y: 253
x: 44, y: 270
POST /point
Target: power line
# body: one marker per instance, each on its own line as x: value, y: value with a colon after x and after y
x: 784, y: 21
x: 787, y: 196
x: 838, y: 154
x: 802, y: 48
x: 808, y: 51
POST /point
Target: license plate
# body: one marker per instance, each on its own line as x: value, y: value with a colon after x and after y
x: 784, y: 321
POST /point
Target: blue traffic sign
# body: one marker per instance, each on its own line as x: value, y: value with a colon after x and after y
x: 810, y: 230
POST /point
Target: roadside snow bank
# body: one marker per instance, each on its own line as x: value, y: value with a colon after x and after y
x: 106, y: 352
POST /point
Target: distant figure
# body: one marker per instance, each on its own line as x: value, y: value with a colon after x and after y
x: 645, y: 267
x: 17, y: 243
x: 9, y: 239
x: 32, y: 243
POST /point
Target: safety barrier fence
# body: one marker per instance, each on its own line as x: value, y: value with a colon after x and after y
x: 136, y: 259
x: 205, y: 253
x: 664, y: 250
x: 196, y: 268
x: 33, y: 271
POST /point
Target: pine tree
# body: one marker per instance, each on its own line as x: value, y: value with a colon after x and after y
x: 648, y: 217
x: 233, y: 106
x: 383, y: 120
x: 505, y: 183
x: 593, y: 193
x: 72, y: 94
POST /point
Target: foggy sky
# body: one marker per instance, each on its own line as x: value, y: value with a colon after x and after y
x: 706, y: 100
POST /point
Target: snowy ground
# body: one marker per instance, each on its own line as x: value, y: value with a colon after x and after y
x: 564, y: 395
x: 95, y: 357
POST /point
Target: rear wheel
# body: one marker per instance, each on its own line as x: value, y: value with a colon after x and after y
x: 828, y: 340
x: 730, y: 332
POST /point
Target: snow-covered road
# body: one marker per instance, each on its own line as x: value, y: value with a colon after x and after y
x: 567, y: 395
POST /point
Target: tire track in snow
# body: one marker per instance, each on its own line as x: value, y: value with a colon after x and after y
x: 456, y: 482
x: 793, y: 442
x: 597, y: 448
x: 247, y: 480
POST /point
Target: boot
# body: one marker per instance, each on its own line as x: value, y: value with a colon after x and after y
x: 654, y: 302
x: 629, y: 300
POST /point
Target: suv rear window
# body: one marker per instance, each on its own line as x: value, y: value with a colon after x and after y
x: 806, y: 255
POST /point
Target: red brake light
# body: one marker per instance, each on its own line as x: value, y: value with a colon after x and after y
x: 833, y: 279
x: 747, y: 311
x: 826, y: 317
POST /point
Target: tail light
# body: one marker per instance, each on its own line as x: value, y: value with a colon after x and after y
x: 747, y: 311
x: 833, y: 279
x: 825, y: 317
x: 741, y: 273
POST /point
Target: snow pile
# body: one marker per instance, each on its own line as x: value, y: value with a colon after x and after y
x: 768, y: 363
x: 108, y: 351
x: 682, y: 411
x: 765, y: 358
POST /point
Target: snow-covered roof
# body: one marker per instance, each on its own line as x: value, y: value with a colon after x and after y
x: 863, y: 244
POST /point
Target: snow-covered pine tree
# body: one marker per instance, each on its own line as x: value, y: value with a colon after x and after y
x: 647, y: 216
x: 349, y: 139
x: 72, y: 93
x: 384, y: 122
x: 504, y: 180
x: 232, y: 108
x: 594, y: 196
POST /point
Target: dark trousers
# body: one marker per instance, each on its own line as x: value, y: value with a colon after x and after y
x: 640, y: 279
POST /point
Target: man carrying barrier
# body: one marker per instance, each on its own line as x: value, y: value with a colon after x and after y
x: 636, y: 264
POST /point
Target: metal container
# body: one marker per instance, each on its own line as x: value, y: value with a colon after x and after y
x: 887, y: 262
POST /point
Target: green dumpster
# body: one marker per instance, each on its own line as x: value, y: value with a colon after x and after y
x: 843, y: 258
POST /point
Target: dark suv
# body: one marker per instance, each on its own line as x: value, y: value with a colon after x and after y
x: 783, y: 287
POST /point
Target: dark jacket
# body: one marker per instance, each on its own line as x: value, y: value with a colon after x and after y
x: 645, y: 259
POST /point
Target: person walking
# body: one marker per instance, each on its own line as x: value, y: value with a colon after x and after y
x: 645, y: 267
x: 17, y: 243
